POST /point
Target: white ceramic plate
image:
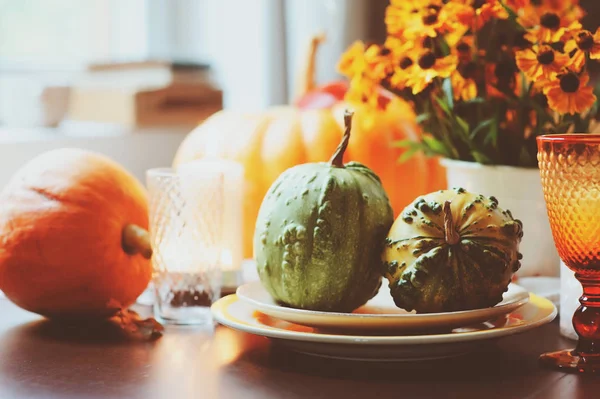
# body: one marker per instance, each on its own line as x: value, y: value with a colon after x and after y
x: 234, y: 313
x: 380, y: 313
x: 546, y: 287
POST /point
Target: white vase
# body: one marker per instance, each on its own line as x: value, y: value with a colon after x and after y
x: 520, y: 191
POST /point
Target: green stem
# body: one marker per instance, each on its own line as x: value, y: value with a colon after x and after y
x: 450, y: 234
x: 337, y: 160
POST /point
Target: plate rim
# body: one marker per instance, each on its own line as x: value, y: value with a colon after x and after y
x: 518, y: 302
x: 219, y: 312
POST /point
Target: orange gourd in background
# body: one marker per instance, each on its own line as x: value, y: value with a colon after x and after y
x: 73, y: 239
x: 268, y: 143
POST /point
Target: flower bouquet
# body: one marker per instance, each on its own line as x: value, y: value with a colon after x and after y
x: 485, y: 77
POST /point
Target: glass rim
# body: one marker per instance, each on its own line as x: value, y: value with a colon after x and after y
x: 570, y: 138
x: 161, y: 172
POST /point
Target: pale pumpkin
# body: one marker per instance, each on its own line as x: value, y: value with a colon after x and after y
x: 450, y: 251
x: 268, y: 143
x: 73, y: 236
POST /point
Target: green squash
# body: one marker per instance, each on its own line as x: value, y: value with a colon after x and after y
x: 451, y: 250
x: 320, y: 233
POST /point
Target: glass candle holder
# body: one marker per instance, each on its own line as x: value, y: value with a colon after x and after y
x: 186, y: 227
x: 570, y: 172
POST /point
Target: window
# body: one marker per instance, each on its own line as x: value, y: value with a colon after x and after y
x: 253, y: 46
x: 66, y: 34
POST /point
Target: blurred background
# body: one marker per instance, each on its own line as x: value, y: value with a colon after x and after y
x: 130, y: 78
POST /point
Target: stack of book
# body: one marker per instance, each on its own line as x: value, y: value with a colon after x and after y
x: 144, y: 94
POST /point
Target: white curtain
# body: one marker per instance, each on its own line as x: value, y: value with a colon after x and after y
x: 257, y: 47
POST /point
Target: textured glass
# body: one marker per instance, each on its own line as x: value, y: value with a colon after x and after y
x: 570, y: 172
x: 186, y: 222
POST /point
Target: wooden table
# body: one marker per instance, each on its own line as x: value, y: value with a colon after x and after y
x: 38, y: 362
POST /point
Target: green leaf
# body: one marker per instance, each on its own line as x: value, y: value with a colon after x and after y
x: 447, y: 87
x: 512, y: 16
x: 435, y: 145
x: 492, y: 136
x: 481, y: 157
x: 444, y: 106
x: 406, y: 155
x: 406, y: 143
x: 444, y: 47
x: 462, y: 124
x: 474, y: 100
x: 479, y: 128
x: 524, y: 157
x: 424, y: 117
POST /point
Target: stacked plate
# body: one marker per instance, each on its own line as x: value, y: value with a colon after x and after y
x: 379, y: 330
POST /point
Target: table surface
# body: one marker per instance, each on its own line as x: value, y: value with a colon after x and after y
x: 38, y: 362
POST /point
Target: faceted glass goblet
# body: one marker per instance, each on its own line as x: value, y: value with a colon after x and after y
x: 570, y: 171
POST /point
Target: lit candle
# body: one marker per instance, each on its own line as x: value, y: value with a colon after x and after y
x: 201, y: 176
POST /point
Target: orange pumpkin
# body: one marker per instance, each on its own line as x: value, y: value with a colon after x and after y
x: 73, y: 236
x: 267, y: 144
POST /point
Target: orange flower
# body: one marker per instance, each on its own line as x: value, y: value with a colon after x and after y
x: 429, y: 67
x: 569, y: 93
x: 542, y: 61
x: 491, y: 9
x: 584, y: 43
x: 464, y: 49
x: 530, y: 15
x: 463, y: 81
x: 515, y: 5
x: 476, y: 13
x: 502, y: 78
x: 548, y: 25
x: 461, y: 11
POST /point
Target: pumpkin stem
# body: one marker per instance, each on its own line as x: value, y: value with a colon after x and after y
x: 136, y: 240
x: 306, y: 79
x: 451, y: 235
x: 337, y: 160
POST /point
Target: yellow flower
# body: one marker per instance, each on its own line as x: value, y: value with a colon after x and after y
x: 376, y: 62
x: 363, y: 90
x: 401, y: 72
x: 395, y: 18
x: 379, y: 62
x: 542, y: 61
x: 464, y: 85
x: 401, y: 13
x: 428, y: 21
x: 569, y: 93
x: 353, y: 60
x: 584, y: 43
x: 427, y: 68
